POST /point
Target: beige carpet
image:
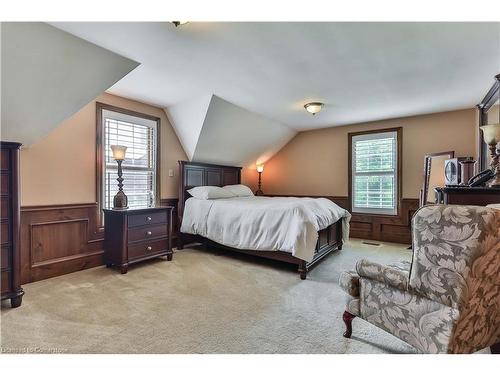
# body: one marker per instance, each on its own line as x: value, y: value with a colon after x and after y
x: 202, y: 302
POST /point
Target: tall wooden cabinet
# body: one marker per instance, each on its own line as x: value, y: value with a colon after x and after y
x: 9, y: 222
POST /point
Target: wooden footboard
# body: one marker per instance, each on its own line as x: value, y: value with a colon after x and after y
x: 329, y: 240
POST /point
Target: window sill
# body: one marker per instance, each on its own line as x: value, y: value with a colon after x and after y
x: 374, y: 214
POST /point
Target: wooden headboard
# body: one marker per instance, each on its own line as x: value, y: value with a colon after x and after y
x: 193, y: 174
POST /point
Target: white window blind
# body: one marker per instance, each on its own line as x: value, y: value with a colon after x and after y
x: 139, y: 167
x: 374, y: 173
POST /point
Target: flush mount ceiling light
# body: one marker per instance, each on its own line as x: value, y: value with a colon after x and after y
x: 313, y: 107
x: 179, y: 23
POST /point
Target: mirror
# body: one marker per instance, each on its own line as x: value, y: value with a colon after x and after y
x: 433, y: 175
x: 488, y: 114
x: 493, y: 114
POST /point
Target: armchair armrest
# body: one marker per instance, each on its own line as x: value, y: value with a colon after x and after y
x: 395, y: 275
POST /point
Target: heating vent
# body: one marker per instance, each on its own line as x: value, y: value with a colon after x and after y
x: 370, y: 243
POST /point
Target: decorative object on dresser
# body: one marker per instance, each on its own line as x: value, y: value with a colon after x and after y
x: 472, y: 193
x: 134, y: 235
x: 465, y: 195
x: 457, y: 171
x: 489, y: 113
x: 9, y: 222
x: 194, y: 174
x: 260, y: 169
x: 467, y: 168
x: 434, y: 174
x: 491, y: 135
x: 120, y: 200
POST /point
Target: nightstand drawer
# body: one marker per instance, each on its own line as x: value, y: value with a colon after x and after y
x: 144, y: 249
x: 146, y: 233
x: 147, y: 219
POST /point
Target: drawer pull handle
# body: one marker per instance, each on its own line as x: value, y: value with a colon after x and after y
x: 149, y: 248
x: 148, y: 218
x: 148, y: 233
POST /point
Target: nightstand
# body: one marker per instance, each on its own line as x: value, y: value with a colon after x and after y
x: 134, y: 235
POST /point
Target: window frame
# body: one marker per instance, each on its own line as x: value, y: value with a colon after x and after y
x: 100, y: 107
x: 399, y: 174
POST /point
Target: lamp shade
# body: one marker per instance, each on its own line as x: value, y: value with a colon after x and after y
x: 260, y: 168
x: 491, y: 133
x: 118, y: 152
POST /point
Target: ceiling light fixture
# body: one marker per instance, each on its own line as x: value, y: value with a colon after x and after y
x: 179, y: 23
x: 313, y: 107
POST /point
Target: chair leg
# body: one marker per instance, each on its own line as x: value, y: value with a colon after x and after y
x: 348, y: 317
x: 495, y: 348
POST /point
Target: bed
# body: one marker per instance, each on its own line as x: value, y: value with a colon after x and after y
x: 193, y: 174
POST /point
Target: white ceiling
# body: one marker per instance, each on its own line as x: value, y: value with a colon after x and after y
x: 47, y: 76
x: 361, y: 71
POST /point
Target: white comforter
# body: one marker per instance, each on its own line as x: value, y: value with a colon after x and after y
x: 264, y: 223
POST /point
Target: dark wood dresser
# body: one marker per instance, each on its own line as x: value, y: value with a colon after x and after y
x: 135, y: 235
x: 477, y: 196
x: 9, y: 221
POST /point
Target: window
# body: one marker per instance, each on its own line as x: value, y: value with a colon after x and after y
x: 139, y: 133
x: 375, y: 178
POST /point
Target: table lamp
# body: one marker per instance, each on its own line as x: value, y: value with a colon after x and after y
x: 491, y: 135
x: 120, y: 200
x: 260, y: 169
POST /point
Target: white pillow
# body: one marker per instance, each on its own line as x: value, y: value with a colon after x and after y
x: 239, y: 190
x: 210, y: 192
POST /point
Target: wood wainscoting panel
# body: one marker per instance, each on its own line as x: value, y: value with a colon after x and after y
x: 384, y: 227
x: 362, y: 229
x: 59, y: 239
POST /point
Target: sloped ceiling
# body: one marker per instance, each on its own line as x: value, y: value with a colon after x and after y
x: 214, y: 130
x: 188, y: 118
x: 48, y: 75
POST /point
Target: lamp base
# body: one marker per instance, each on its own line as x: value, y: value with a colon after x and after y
x: 259, y: 192
x: 495, y: 183
x: 495, y: 167
x: 120, y: 201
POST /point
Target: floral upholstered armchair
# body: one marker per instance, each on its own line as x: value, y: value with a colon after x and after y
x: 447, y: 300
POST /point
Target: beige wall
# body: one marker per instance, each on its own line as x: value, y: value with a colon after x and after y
x: 250, y: 177
x: 315, y: 162
x: 60, y: 168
